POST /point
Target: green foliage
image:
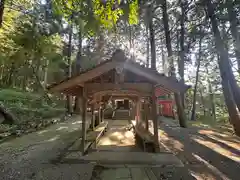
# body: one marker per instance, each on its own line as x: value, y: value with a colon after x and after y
x: 28, y: 106
x: 97, y: 13
x: 105, y: 14
x: 133, y: 12
x: 27, y: 51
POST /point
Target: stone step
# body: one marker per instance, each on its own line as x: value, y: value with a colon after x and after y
x: 150, y: 159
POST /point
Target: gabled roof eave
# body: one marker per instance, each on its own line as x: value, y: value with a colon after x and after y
x: 169, y: 83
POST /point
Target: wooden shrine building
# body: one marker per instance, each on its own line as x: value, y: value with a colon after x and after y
x: 120, y: 78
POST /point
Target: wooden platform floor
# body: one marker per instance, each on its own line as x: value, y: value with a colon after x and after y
x: 118, y: 138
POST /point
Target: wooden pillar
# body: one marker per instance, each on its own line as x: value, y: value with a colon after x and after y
x: 138, y: 111
x: 102, y: 112
x: 84, y: 113
x: 133, y: 110
x: 93, y: 116
x: 146, y: 113
x: 129, y: 109
x: 157, y: 106
x: 155, y: 120
x: 99, y: 114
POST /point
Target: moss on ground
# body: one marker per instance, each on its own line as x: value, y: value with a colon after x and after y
x: 31, y: 110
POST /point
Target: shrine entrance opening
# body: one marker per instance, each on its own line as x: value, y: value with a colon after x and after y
x: 127, y: 91
x: 123, y: 104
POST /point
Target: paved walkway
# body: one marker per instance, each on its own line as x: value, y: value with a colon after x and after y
x: 29, y: 156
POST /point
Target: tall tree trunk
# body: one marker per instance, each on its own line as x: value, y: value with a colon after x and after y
x: 168, y: 38
x: 230, y: 103
x: 152, y: 44
x: 202, y: 101
x: 182, y: 48
x: 69, y: 73
x: 179, y: 104
x: 77, y: 105
x: 131, y: 45
x: 25, y: 76
x: 100, y: 47
x: 24, y: 82
x: 148, y: 45
x: 211, y: 98
x: 2, y: 5
x: 2, y: 70
x: 223, y: 54
x: 163, y: 56
x: 193, y: 116
x: 232, y: 81
x: 37, y: 71
x: 211, y: 95
x: 232, y: 16
x: 230, y: 87
x: 45, y: 75
x: 10, y: 74
x: 48, y: 10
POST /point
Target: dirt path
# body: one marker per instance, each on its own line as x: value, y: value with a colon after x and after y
x: 207, y: 153
x: 29, y: 156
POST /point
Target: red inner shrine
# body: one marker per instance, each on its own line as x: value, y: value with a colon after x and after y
x: 165, y: 104
x: 166, y: 108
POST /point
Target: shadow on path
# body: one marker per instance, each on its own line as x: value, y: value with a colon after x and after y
x: 205, y: 153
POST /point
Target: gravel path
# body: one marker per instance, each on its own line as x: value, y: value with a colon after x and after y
x: 207, y: 153
x: 30, y: 156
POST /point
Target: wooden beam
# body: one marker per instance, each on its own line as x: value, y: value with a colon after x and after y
x: 75, y: 91
x: 125, y: 97
x: 122, y: 93
x: 163, y: 90
x: 96, y: 87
